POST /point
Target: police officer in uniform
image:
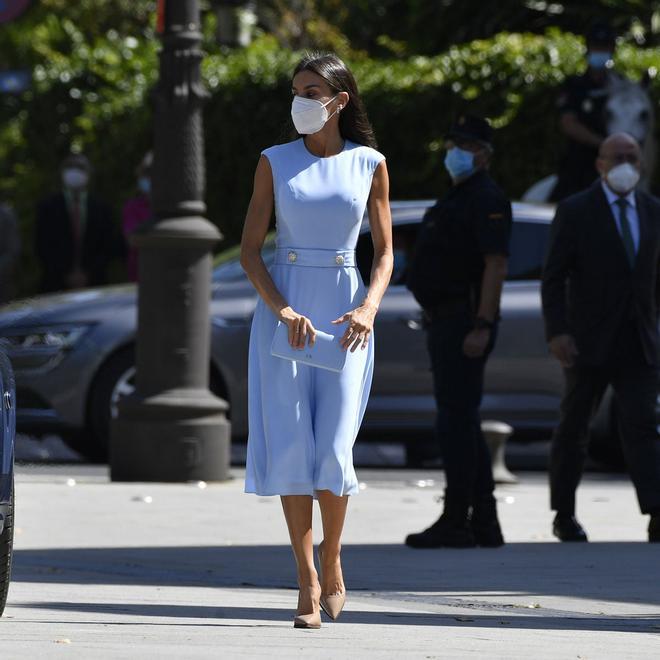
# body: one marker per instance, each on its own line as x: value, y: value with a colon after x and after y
x: 581, y: 106
x: 456, y: 275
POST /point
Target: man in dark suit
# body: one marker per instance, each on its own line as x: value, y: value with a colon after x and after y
x: 601, y: 302
x: 75, y: 238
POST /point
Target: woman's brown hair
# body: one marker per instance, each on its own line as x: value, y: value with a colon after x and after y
x: 354, y: 124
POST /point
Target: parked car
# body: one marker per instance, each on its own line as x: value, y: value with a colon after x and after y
x: 7, y: 433
x: 74, y: 352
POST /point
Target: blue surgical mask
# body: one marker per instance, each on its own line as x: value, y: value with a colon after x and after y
x: 144, y: 185
x: 598, y: 59
x: 459, y: 162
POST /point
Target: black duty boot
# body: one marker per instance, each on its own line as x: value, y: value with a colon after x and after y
x: 446, y: 532
x: 566, y: 528
x: 654, y: 528
x: 485, y: 525
x: 487, y: 533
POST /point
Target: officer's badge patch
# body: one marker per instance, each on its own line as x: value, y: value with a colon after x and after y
x: 587, y: 105
x: 461, y: 120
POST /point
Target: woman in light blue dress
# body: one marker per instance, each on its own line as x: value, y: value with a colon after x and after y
x: 303, y: 420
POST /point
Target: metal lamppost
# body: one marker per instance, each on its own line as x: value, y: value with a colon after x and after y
x: 172, y: 428
x: 235, y: 22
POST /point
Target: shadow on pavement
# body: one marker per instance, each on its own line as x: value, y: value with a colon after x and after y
x: 353, y: 615
x: 615, y: 572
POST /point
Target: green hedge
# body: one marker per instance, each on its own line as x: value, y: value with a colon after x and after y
x: 512, y: 78
x: 96, y: 97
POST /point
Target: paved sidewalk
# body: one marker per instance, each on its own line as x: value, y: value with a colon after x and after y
x: 181, y: 571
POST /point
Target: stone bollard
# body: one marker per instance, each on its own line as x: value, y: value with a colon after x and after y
x: 496, y: 434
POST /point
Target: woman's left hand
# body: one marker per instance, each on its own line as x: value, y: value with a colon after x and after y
x: 360, y: 325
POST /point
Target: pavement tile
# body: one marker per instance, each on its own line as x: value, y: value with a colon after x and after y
x: 107, y: 570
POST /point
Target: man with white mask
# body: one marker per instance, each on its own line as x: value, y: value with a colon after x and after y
x: 75, y: 238
x: 601, y: 301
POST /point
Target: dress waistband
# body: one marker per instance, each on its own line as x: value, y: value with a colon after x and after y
x: 313, y: 257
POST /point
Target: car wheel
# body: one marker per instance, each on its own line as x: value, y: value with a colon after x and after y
x: 115, y: 380
x: 6, y: 550
x: 604, y: 438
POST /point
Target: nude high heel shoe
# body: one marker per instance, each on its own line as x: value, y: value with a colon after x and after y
x: 310, y: 621
x: 331, y: 604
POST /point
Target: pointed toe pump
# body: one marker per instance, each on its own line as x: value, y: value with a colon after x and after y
x: 311, y: 621
x: 331, y: 604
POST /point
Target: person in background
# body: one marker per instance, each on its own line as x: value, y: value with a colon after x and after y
x: 601, y: 299
x: 75, y: 238
x: 137, y: 211
x: 456, y: 274
x: 581, y: 105
x: 10, y: 247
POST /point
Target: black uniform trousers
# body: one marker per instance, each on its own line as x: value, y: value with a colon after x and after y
x: 635, y: 385
x: 458, y: 386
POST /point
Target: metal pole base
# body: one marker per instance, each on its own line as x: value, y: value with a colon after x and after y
x: 171, y: 438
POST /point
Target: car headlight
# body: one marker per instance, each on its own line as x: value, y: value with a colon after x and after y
x: 61, y: 337
x: 40, y: 348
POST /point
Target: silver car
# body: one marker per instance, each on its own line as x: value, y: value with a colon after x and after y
x: 73, y: 353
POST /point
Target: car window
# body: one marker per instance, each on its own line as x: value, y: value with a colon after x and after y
x: 529, y: 240
x: 403, y: 243
x: 228, y: 266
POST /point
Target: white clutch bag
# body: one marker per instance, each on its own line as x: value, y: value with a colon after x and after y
x: 325, y: 354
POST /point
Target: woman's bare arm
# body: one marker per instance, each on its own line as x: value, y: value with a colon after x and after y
x: 360, y: 321
x: 255, y: 229
x: 380, y: 221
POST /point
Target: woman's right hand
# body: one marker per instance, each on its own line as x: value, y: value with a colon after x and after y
x: 300, y: 328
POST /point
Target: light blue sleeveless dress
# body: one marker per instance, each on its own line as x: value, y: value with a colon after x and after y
x: 303, y: 420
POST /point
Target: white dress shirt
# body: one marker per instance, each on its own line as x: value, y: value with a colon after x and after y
x: 631, y: 212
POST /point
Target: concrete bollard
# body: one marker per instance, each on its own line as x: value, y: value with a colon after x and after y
x: 496, y: 434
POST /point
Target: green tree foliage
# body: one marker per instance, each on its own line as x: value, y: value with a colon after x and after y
x: 94, y: 64
x: 511, y: 78
x: 395, y: 27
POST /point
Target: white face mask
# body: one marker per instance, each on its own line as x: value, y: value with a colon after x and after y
x: 74, y: 178
x: 623, y: 178
x: 309, y: 115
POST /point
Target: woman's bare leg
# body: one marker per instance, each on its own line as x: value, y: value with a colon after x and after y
x: 298, y: 514
x: 333, y: 514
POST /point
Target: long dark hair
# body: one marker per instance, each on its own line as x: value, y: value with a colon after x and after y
x: 354, y: 124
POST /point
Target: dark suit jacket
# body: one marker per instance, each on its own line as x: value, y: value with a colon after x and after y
x: 54, y: 244
x: 589, y: 289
